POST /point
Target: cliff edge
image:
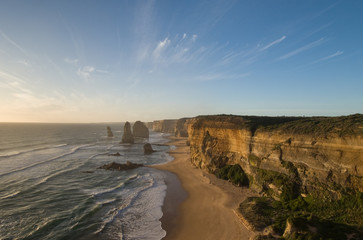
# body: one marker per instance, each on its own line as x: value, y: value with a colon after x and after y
x: 321, y: 155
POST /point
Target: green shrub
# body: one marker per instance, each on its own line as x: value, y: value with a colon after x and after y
x: 234, y: 173
x: 290, y: 191
x: 222, y: 173
x: 237, y: 176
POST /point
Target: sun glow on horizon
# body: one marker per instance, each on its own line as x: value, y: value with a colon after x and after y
x: 150, y: 60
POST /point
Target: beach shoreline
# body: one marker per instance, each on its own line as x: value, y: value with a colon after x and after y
x: 197, y: 204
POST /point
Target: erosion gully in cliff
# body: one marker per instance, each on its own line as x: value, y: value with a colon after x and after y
x: 300, y: 162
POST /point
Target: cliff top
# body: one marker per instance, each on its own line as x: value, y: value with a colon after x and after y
x: 318, y: 126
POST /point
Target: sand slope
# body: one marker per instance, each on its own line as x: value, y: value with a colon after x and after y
x: 207, y: 212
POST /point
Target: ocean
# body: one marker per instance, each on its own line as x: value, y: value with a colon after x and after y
x: 51, y: 187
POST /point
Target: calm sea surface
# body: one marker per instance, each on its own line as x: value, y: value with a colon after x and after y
x: 51, y: 187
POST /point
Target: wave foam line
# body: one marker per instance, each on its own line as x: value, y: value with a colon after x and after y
x: 10, y: 195
x: 43, y: 162
x: 12, y: 154
x: 112, y: 214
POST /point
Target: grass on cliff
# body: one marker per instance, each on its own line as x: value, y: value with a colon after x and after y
x: 233, y: 173
x: 315, y: 126
x: 311, y: 218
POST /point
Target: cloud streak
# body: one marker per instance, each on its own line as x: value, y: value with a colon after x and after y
x: 302, y: 49
x: 273, y: 43
x: 71, y: 61
x: 338, y: 53
x: 12, y: 42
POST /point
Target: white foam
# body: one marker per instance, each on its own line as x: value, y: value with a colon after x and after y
x: 12, y: 194
x: 16, y: 153
x: 141, y: 220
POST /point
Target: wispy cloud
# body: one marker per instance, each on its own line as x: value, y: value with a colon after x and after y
x: 220, y: 76
x: 338, y: 53
x: 302, y: 49
x: 23, y: 62
x: 273, y: 43
x: 194, y: 37
x: 13, y: 43
x: 162, y: 45
x: 72, y: 61
x: 85, y: 72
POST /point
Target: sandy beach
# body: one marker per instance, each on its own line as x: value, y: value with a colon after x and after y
x: 204, y: 207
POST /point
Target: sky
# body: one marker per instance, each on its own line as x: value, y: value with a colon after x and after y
x: 114, y: 61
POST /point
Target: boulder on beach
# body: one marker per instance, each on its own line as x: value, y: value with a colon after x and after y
x: 109, y: 132
x: 140, y: 130
x: 121, y: 166
x: 148, y: 149
x: 127, y: 137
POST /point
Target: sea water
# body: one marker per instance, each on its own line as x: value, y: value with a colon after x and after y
x: 51, y: 186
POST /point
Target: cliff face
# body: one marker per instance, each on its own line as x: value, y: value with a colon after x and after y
x: 181, y: 127
x: 165, y: 126
x: 318, y: 154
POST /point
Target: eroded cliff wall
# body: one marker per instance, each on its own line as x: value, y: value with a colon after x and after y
x: 181, y: 127
x: 165, y: 126
x: 317, y: 154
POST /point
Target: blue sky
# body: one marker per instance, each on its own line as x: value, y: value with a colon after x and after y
x: 104, y: 61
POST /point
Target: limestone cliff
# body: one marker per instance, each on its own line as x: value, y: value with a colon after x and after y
x: 140, y: 130
x: 181, y: 127
x: 165, y: 126
x: 149, y: 125
x: 317, y: 154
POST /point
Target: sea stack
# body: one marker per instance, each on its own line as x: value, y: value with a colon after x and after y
x: 140, y: 130
x: 127, y: 137
x: 109, y: 132
x: 148, y: 149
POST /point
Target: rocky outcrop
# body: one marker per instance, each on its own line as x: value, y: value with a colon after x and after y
x: 148, y: 149
x: 319, y: 154
x: 109, y: 132
x: 140, y: 130
x: 181, y: 127
x: 127, y: 136
x: 165, y: 126
x: 121, y: 166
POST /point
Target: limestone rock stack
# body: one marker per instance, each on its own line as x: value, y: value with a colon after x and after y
x: 109, y: 132
x: 140, y: 130
x: 127, y: 137
x: 148, y: 149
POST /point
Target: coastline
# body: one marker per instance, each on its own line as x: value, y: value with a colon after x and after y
x: 202, y: 206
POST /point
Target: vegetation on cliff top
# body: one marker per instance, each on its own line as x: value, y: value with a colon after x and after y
x: 308, y: 218
x: 317, y: 126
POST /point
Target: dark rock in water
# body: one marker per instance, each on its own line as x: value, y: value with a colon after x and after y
x: 109, y: 132
x: 121, y: 166
x: 115, y: 154
x: 148, y: 149
x: 140, y: 130
x: 127, y: 137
